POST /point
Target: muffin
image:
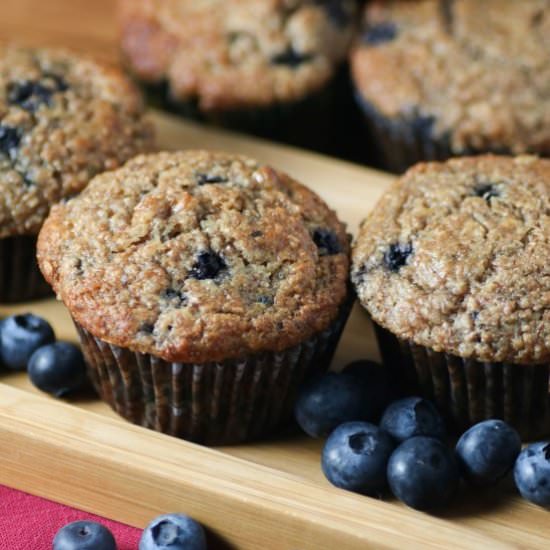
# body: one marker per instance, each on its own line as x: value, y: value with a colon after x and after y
x: 204, y: 286
x: 453, y: 268
x: 267, y: 67
x: 63, y: 119
x: 440, y: 79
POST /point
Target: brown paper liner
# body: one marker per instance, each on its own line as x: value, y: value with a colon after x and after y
x: 210, y: 403
x: 469, y: 391
x: 20, y: 277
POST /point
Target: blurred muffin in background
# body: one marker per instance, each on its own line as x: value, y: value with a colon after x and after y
x: 439, y: 79
x: 267, y: 67
x: 63, y: 119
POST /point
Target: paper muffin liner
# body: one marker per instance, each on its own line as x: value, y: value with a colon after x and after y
x: 304, y: 123
x: 20, y: 277
x: 211, y: 403
x: 469, y: 391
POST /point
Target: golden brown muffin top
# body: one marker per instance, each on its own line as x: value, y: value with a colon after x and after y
x: 63, y: 119
x: 230, y: 54
x: 478, y: 71
x: 456, y: 257
x: 197, y: 256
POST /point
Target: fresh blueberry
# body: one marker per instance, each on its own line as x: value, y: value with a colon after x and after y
x: 355, y: 457
x: 57, y: 368
x: 173, y: 532
x: 380, y: 33
x: 331, y: 399
x: 423, y: 473
x: 487, y: 451
x: 9, y: 139
x: 326, y: 241
x: 84, y: 535
x: 20, y: 337
x: 291, y: 58
x: 208, y: 265
x: 532, y: 473
x: 410, y: 417
x: 373, y: 377
x: 397, y: 256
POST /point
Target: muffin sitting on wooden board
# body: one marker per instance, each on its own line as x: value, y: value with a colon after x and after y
x: 261, y: 66
x: 453, y: 266
x: 63, y: 119
x: 205, y: 287
x: 441, y: 79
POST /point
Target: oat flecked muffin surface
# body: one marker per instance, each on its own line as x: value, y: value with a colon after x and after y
x: 63, y: 119
x: 233, y: 54
x: 197, y: 256
x: 453, y: 267
x: 456, y: 77
x: 205, y: 287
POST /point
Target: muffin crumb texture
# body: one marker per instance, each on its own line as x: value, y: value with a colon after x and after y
x: 475, y: 73
x: 456, y: 258
x: 197, y: 257
x: 63, y: 119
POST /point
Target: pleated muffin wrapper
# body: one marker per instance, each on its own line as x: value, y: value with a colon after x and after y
x: 467, y: 391
x: 210, y: 403
x: 404, y: 142
x: 20, y: 277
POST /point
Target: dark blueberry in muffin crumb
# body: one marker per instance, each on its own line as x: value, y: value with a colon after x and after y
x: 486, y: 191
x: 30, y: 95
x: 380, y: 33
x: 422, y: 125
x: 147, y: 328
x: 265, y: 300
x: 207, y: 266
x: 205, y: 179
x: 291, y: 58
x: 9, y: 139
x: 327, y: 242
x: 397, y: 255
x: 256, y: 234
x: 336, y: 12
x: 174, y: 295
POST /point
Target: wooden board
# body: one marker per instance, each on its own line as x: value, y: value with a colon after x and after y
x: 270, y: 494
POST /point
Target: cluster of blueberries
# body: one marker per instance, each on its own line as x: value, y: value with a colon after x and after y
x: 166, y: 532
x: 407, y: 451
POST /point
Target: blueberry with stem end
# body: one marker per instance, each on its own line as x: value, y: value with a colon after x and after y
x: 84, y: 535
x: 173, y: 532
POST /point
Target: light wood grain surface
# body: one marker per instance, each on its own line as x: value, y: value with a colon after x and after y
x: 268, y: 495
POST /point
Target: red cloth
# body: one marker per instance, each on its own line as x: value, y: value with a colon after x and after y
x: 30, y: 523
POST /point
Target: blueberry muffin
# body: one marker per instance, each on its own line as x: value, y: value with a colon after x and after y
x: 261, y: 66
x: 453, y: 267
x: 205, y: 287
x: 63, y: 119
x: 440, y: 79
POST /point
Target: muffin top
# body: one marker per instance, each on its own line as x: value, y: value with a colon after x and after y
x: 475, y: 73
x: 456, y: 257
x: 196, y: 257
x: 230, y: 54
x: 63, y: 119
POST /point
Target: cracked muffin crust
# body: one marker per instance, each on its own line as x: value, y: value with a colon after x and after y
x: 232, y: 54
x: 63, y: 119
x: 475, y: 75
x: 197, y: 256
x: 456, y: 255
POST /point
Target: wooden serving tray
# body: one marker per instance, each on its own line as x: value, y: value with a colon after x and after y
x: 269, y: 495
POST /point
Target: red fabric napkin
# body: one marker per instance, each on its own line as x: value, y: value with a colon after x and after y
x: 30, y: 523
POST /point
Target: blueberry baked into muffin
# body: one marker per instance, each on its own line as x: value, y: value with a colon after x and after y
x: 268, y: 67
x: 205, y: 287
x: 437, y: 79
x: 63, y: 119
x: 453, y: 267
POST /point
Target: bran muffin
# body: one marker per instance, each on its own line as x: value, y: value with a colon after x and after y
x: 440, y: 79
x: 261, y: 66
x: 205, y: 287
x: 63, y: 119
x: 453, y: 267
